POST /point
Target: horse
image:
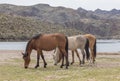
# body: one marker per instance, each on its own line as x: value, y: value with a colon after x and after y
x: 46, y: 42
x: 74, y: 43
x: 92, y: 46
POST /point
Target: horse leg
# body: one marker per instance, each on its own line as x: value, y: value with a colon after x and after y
x: 67, y: 63
x: 38, y: 57
x: 92, y: 56
x: 66, y: 57
x: 43, y: 59
x: 72, y: 57
x: 78, y: 56
x: 62, y: 61
x: 83, y: 53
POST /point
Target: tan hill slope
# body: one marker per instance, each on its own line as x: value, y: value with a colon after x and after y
x: 101, y: 23
x: 20, y: 28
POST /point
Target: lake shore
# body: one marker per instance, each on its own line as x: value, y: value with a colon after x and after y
x: 10, y: 54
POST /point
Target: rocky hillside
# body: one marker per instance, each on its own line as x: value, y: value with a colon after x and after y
x: 101, y: 23
x: 113, y: 14
x: 20, y: 28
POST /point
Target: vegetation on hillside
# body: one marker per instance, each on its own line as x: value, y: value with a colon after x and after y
x: 48, y: 19
x: 22, y: 28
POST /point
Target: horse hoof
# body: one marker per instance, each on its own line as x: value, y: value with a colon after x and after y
x: 45, y: 66
x: 55, y: 64
x: 68, y: 64
x: 71, y: 63
x: 61, y: 66
x: 45, y: 63
x: 66, y: 67
x: 82, y: 62
x: 36, y: 66
x: 93, y: 61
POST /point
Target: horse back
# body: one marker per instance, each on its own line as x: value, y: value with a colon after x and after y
x: 91, y: 38
x: 60, y: 39
x: 81, y: 41
x: 77, y: 41
x: 50, y: 41
x: 72, y: 43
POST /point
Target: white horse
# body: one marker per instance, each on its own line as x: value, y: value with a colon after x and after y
x: 92, y: 46
x: 74, y: 43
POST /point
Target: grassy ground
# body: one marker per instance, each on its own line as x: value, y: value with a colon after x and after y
x: 107, y: 68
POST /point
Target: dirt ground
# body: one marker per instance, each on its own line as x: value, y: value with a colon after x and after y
x: 103, y: 60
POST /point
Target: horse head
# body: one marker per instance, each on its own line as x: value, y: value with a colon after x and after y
x: 26, y: 59
x: 56, y: 56
x: 55, y: 59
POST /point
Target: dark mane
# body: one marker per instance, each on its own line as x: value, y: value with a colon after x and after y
x: 28, y: 45
x: 37, y: 36
x: 29, y: 42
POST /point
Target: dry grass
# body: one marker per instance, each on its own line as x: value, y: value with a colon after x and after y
x: 107, y: 68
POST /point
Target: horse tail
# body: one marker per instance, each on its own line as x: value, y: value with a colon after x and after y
x: 94, y: 49
x: 66, y: 46
x: 87, y: 49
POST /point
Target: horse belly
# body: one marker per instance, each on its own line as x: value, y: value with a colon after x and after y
x: 72, y: 45
x: 81, y: 44
x: 48, y: 46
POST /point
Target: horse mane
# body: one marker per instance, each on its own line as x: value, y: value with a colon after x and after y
x: 29, y: 42
x: 37, y: 36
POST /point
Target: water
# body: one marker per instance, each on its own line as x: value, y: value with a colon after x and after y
x: 12, y: 45
x: 108, y: 45
x: 102, y: 45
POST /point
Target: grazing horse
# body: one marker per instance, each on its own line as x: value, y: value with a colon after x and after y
x: 92, y: 46
x: 46, y: 42
x: 74, y: 43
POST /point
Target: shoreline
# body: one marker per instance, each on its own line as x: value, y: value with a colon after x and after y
x: 15, y: 51
x: 8, y: 56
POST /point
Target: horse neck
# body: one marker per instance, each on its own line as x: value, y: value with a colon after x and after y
x: 28, y: 48
x: 28, y: 51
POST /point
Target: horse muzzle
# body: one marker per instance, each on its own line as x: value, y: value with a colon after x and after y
x: 55, y: 64
x: 26, y: 67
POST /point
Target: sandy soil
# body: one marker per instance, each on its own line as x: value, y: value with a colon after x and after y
x: 110, y: 59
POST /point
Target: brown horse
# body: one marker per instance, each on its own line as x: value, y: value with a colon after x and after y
x: 92, y: 46
x: 46, y: 42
